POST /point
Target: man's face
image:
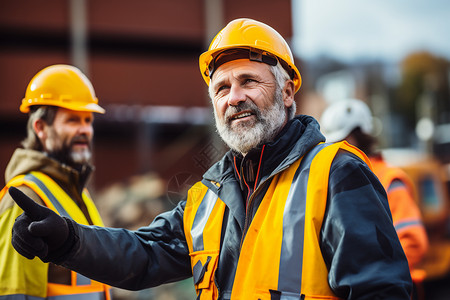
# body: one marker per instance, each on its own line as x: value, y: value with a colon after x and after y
x: 249, y: 108
x: 69, y: 138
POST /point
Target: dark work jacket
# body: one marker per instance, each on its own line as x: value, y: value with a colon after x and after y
x: 361, y: 265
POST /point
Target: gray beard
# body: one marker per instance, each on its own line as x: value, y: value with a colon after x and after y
x: 82, y: 157
x: 244, y: 137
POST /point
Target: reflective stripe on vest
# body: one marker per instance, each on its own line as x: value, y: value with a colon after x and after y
x: 20, y: 297
x: 280, y: 256
x: 59, y: 201
x: 58, y: 207
x: 201, y: 217
x: 293, y: 227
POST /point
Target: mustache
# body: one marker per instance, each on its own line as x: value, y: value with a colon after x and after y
x: 242, y: 106
x: 80, y: 139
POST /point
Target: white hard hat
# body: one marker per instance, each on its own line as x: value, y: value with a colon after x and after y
x: 343, y: 116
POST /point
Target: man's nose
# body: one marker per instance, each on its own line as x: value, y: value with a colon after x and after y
x: 86, y: 129
x: 236, y: 95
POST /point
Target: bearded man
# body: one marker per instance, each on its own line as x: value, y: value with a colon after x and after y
x: 281, y: 216
x: 52, y: 168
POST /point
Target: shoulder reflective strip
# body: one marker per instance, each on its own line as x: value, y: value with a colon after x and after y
x: 20, y: 297
x: 62, y: 197
x: 201, y: 217
x: 85, y: 296
x: 403, y: 225
x: 82, y: 280
x: 20, y: 180
x: 49, y: 195
x: 291, y: 259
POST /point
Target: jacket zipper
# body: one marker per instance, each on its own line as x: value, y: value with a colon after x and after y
x: 217, y: 285
x: 250, y: 202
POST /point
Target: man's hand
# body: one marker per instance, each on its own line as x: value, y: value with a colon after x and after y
x: 38, y: 231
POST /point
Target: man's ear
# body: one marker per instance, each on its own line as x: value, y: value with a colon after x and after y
x: 39, y: 128
x: 288, y: 93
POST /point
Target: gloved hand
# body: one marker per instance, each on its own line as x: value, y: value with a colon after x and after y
x: 39, y: 231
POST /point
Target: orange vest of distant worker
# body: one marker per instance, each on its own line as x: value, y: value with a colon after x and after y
x: 406, y: 215
x: 280, y: 255
x: 56, y: 199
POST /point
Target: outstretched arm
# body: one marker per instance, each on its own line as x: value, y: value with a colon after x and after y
x: 127, y: 259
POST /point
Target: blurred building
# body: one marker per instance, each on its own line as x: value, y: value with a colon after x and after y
x: 142, y: 58
x: 156, y: 137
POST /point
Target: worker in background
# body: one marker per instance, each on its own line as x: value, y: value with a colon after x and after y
x: 351, y: 120
x: 281, y: 215
x: 52, y: 168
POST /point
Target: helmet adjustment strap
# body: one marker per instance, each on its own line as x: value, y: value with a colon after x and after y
x: 240, y: 53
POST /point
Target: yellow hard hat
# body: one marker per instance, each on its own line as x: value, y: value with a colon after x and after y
x: 255, y: 36
x: 61, y: 85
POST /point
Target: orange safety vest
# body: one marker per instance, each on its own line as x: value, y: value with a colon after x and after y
x: 59, y: 201
x: 406, y: 214
x: 280, y: 254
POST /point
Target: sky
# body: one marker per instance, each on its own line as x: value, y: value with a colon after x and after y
x: 370, y: 29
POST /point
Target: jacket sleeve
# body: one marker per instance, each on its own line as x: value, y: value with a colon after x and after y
x: 359, y: 242
x: 133, y: 260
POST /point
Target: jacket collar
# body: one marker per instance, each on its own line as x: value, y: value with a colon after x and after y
x: 24, y: 161
x: 297, y: 137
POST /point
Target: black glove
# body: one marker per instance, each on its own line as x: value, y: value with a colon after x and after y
x: 39, y: 231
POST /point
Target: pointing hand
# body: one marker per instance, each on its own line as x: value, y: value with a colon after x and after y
x: 38, y: 231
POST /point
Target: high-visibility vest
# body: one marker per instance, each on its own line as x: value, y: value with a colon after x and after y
x: 406, y: 214
x: 387, y: 175
x: 280, y: 255
x: 59, y: 201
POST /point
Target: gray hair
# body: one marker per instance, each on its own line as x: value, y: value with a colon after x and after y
x: 281, y: 76
x: 44, y: 113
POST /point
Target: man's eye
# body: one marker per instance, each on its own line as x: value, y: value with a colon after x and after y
x: 249, y: 80
x: 222, y: 88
